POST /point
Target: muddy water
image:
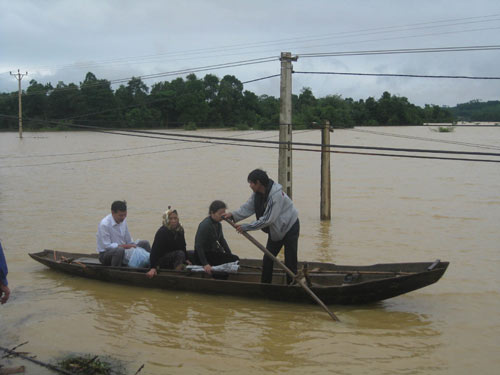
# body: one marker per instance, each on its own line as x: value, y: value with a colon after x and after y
x: 55, y: 187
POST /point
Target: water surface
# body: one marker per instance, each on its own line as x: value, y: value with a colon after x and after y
x: 55, y: 187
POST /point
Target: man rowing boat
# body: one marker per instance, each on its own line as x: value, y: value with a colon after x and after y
x: 276, y: 215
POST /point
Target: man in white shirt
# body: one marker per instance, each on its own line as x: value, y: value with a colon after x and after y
x: 113, y: 236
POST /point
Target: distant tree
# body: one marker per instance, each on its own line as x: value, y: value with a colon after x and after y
x: 191, y: 104
x: 163, y: 99
x: 269, y: 113
x: 229, y: 100
x: 9, y: 108
x: 100, y: 102
x: 65, y: 102
x: 35, y: 104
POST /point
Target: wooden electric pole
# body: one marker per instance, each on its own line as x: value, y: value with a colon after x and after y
x: 19, y: 76
x: 325, y: 205
x: 285, y: 149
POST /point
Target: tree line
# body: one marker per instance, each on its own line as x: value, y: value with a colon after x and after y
x: 475, y: 110
x: 193, y: 102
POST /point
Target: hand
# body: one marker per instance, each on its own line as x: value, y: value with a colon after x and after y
x: 4, y: 293
x: 227, y: 215
x: 188, y: 262
x: 208, y: 268
x: 239, y: 229
x: 151, y: 273
x: 128, y: 246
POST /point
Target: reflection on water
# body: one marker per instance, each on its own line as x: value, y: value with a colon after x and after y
x: 280, y: 336
x: 384, y: 210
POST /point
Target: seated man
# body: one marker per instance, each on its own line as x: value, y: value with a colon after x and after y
x: 210, y: 246
x: 113, y: 237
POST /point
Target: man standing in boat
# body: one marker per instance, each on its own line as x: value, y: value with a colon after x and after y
x: 113, y: 237
x: 276, y: 215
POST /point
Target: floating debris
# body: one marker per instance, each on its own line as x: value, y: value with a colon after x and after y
x: 86, y: 365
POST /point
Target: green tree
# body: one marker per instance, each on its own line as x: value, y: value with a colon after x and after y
x: 268, y: 118
x: 191, y: 104
x: 229, y: 100
x: 9, y: 110
x: 65, y: 101
x: 100, y: 102
x: 35, y: 104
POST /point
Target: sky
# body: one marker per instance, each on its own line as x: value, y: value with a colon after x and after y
x: 56, y: 40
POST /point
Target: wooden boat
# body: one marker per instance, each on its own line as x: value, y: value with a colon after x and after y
x: 333, y: 284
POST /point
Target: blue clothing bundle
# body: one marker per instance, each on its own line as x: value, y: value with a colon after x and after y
x: 139, y: 258
x: 3, y: 267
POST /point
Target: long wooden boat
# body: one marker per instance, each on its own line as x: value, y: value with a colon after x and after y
x: 333, y: 284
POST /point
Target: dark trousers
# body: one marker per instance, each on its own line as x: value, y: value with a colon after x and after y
x: 290, y: 242
x: 172, y: 259
x: 113, y: 257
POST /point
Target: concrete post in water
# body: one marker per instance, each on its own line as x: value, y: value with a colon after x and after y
x: 19, y: 77
x: 325, y: 205
x: 285, y: 150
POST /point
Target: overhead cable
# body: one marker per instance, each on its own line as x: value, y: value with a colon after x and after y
x: 396, y: 75
x: 401, y: 51
x: 192, y: 136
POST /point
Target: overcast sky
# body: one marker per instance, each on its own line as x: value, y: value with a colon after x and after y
x: 63, y: 40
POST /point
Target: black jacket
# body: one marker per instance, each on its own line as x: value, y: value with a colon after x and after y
x: 166, y: 241
x: 209, y: 237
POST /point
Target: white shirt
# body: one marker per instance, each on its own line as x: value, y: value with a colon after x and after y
x: 110, y: 234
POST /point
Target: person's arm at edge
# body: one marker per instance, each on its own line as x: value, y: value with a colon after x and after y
x: 4, y: 288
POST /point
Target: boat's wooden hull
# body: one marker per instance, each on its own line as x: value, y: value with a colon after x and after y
x: 333, y: 284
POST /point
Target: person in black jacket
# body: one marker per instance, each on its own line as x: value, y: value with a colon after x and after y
x: 169, y: 245
x: 210, y: 246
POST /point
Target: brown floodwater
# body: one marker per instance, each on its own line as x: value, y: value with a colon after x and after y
x: 55, y: 187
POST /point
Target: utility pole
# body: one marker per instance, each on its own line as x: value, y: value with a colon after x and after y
x: 285, y: 149
x: 325, y: 206
x: 19, y: 76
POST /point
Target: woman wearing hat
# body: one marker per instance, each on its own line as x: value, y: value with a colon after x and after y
x: 169, y: 245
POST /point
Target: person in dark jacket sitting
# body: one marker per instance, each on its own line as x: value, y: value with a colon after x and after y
x: 210, y: 246
x: 169, y: 245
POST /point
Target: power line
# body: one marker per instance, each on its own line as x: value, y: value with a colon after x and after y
x: 309, y: 46
x: 268, y: 144
x: 196, y: 53
x: 192, y: 136
x: 187, y: 71
x: 174, y: 136
x: 402, y: 51
x: 260, y: 79
x: 396, y: 75
x: 112, y: 150
x: 425, y: 139
x: 245, y: 145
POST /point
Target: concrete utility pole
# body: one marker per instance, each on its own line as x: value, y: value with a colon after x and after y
x: 325, y: 206
x: 285, y: 150
x: 19, y: 76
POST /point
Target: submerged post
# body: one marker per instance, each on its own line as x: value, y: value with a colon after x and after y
x: 285, y: 149
x: 325, y: 205
x: 19, y: 76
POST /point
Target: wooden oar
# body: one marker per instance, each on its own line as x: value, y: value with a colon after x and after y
x: 287, y: 270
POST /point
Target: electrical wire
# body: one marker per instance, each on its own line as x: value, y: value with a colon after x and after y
x: 196, y: 53
x: 424, y: 138
x: 396, y: 75
x: 401, y: 51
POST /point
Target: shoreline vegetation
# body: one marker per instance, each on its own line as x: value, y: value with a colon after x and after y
x: 213, y: 103
x: 441, y: 127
